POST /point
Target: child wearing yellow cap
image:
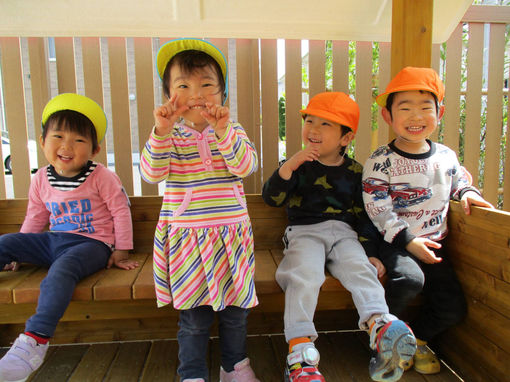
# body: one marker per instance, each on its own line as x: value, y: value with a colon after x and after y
x: 328, y: 227
x: 89, y: 223
x: 407, y: 185
x: 204, y: 259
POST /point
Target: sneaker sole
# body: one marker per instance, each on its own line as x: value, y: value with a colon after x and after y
x: 396, y: 347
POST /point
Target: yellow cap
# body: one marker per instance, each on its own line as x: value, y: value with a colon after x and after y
x: 80, y: 104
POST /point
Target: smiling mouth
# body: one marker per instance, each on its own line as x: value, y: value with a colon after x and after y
x: 312, y: 140
x: 196, y: 107
x: 65, y: 158
x: 415, y: 129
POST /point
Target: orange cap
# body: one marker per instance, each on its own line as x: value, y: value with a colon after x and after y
x: 336, y: 107
x: 411, y: 78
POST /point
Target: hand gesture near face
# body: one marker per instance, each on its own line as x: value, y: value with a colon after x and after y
x: 308, y: 154
x: 166, y: 115
x: 217, y: 116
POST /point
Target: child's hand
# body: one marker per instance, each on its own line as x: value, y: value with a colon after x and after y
x: 308, y: 154
x: 120, y: 259
x: 166, y: 115
x: 13, y: 266
x: 217, y: 116
x: 419, y: 247
x: 381, y: 269
x: 471, y: 197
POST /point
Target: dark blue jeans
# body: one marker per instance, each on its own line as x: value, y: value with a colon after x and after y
x: 193, y: 337
x: 444, y: 305
x: 68, y: 256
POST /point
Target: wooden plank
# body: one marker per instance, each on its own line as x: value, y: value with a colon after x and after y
x: 40, y: 83
x: 61, y: 364
x: 494, y: 112
x: 144, y: 67
x: 293, y: 97
x: 269, y: 95
x: 262, y: 358
x: 248, y: 104
x: 66, y: 72
x: 364, y: 100
x: 341, y: 66
x: 474, y: 99
x: 143, y: 287
x: 464, y: 345
x: 411, y: 34
x: 265, y: 269
x: 452, y: 89
x: 95, y: 363
x: 93, y: 81
x: 128, y: 364
x: 28, y: 291
x: 14, y: 111
x: 12, y: 212
x: 120, y: 111
x: 354, y: 360
x: 83, y: 290
x: 118, y: 284
x: 316, y: 67
x: 506, y: 178
x: 161, y: 363
x: 9, y: 281
x: 383, y: 130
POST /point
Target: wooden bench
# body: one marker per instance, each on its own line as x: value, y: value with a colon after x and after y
x: 114, y: 304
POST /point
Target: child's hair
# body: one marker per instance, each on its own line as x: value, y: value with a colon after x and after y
x: 391, y: 97
x: 190, y: 61
x: 70, y: 120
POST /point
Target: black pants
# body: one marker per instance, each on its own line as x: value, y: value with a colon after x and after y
x: 444, y: 305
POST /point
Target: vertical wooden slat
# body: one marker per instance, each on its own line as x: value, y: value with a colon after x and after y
x: 341, y: 66
x: 436, y: 61
x: 473, y: 99
x: 144, y: 67
x: 40, y: 82
x: 506, y: 179
x: 248, y: 104
x: 383, y: 136
x: 269, y: 92
x: 66, y: 73
x: 293, y: 96
x: 222, y: 45
x: 120, y: 111
x: 494, y: 112
x: 317, y: 67
x: 452, y: 93
x: 364, y: 99
x: 92, y: 77
x: 15, y: 114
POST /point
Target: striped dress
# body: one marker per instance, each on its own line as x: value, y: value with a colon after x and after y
x: 203, y: 245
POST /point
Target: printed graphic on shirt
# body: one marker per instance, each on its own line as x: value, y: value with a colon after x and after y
x: 72, y: 215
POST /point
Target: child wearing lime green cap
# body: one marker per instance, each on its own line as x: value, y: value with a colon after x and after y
x: 407, y: 185
x: 89, y: 223
x: 328, y: 227
x: 203, y: 247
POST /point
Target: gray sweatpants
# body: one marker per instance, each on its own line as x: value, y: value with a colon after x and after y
x: 308, y: 249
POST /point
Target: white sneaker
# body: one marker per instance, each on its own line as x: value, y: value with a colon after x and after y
x: 23, y: 358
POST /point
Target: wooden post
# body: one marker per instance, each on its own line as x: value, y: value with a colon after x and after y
x: 411, y: 35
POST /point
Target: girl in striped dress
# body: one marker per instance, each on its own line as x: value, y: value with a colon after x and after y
x: 203, y: 246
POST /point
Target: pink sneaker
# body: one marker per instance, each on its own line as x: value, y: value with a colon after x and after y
x: 194, y: 380
x: 242, y: 373
x: 23, y: 358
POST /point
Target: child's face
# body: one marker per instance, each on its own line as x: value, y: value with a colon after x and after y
x: 194, y: 90
x: 66, y: 150
x: 413, y: 118
x: 326, y: 136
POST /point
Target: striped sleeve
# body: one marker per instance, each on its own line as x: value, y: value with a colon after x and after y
x: 237, y: 151
x: 155, y: 158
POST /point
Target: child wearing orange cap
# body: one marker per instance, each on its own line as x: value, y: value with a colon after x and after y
x: 322, y: 190
x: 89, y: 223
x: 407, y: 185
x: 204, y: 259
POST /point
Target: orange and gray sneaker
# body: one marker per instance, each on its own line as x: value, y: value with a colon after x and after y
x: 302, y: 364
x: 393, y: 345
x: 425, y: 361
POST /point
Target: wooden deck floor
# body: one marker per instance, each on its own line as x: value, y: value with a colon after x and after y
x: 344, y: 357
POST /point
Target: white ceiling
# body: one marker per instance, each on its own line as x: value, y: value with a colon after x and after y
x: 360, y: 20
